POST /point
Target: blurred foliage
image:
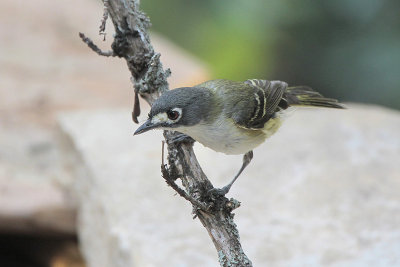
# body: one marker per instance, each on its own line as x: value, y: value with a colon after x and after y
x: 348, y: 49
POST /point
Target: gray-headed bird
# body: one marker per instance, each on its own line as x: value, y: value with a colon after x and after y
x: 228, y: 116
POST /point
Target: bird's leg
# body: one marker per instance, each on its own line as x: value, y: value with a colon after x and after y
x: 246, y: 160
x: 224, y: 190
x: 182, y: 138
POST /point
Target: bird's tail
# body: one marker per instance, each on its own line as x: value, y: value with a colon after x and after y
x: 305, y: 96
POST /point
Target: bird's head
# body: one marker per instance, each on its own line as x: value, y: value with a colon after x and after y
x: 181, y: 107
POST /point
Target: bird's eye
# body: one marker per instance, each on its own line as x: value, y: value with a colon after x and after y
x: 172, y: 114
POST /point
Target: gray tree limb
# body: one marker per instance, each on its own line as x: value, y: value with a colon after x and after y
x: 132, y: 43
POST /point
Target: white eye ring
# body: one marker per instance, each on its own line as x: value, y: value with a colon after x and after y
x: 164, y: 117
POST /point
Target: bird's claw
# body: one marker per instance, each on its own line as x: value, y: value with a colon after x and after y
x: 182, y: 138
x: 215, y: 193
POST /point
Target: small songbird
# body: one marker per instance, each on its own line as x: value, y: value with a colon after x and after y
x: 228, y: 116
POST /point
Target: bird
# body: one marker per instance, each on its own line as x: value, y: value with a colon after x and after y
x: 232, y: 117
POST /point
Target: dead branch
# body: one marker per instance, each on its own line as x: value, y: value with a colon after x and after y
x: 94, y: 47
x: 132, y: 42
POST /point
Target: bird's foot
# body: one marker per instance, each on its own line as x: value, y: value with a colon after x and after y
x: 215, y: 193
x: 182, y: 138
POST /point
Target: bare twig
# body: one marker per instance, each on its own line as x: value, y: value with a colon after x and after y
x: 180, y: 191
x: 94, y: 47
x: 171, y: 182
x: 104, y: 20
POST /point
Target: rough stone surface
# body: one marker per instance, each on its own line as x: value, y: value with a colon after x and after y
x: 35, y: 207
x: 324, y: 191
x: 45, y: 68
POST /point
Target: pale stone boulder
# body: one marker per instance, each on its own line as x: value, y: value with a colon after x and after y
x: 324, y: 191
x: 47, y: 72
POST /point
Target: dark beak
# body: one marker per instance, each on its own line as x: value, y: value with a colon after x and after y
x: 148, y: 125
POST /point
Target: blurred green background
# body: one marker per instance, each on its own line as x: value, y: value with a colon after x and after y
x: 347, y: 49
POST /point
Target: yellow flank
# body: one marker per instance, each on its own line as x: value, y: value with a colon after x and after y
x: 272, y: 126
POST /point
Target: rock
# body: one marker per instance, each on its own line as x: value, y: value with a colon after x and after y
x: 323, y: 191
x: 46, y: 68
x: 32, y: 199
x: 29, y: 207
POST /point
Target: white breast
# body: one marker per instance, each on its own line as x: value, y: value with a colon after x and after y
x: 224, y: 136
